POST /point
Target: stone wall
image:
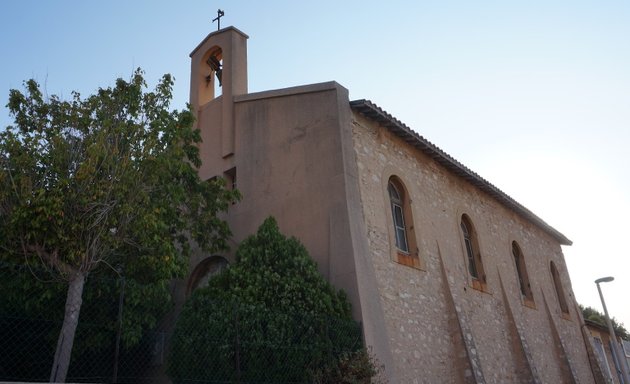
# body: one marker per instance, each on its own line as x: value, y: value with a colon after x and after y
x: 440, y: 328
x: 600, y: 333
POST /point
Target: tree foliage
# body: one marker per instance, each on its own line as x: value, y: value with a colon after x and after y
x: 105, y: 183
x: 595, y: 316
x: 357, y: 367
x: 269, y: 317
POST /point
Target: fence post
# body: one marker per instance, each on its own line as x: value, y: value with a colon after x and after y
x: 119, y: 331
x: 237, y: 346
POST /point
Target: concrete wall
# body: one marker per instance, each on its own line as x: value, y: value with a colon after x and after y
x: 294, y: 160
x: 420, y: 305
x: 289, y: 165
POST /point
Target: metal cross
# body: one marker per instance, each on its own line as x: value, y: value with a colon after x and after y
x: 220, y: 14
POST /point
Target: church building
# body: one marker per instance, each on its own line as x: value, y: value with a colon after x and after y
x: 452, y: 280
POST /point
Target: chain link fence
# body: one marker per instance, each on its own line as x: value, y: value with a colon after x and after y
x: 31, y: 316
x: 253, y: 344
x: 240, y: 347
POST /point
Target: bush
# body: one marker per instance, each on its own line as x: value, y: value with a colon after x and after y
x: 358, y: 367
x: 270, y: 317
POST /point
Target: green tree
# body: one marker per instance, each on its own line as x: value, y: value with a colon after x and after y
x: 269, y: 317
x: 106, y: 181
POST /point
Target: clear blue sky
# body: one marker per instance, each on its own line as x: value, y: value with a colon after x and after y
x: 532, y: 95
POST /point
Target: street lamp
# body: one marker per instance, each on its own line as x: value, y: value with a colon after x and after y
x: 620, y: 357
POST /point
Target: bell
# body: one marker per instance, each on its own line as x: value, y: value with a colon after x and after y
x: 215, y: 65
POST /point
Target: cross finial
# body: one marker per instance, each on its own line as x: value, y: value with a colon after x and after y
x: 220, y: 14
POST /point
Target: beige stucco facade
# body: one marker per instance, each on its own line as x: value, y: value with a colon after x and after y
x: 322, y: 165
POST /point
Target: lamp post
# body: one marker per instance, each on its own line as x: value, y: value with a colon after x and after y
x: 620, y: 357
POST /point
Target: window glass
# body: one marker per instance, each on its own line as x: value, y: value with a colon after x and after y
x: 399, y: 218
x: 404, y: 247
x: 562, y: 300
x: 470, y: 248
x: 521, y: 271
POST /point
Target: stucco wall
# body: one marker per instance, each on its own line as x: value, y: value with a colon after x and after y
x: 288, y: 162
x: 425, y: 341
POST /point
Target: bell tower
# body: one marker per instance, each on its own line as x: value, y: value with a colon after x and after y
x: 218, y: 74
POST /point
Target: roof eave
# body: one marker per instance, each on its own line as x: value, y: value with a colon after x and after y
x: 372, y: 111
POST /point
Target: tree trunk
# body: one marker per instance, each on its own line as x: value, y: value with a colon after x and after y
x: 69, y: 327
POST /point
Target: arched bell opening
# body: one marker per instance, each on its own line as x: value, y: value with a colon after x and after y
x: 211, y: 74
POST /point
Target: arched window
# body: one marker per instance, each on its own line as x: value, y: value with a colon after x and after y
x: 207, y: 268
x: 398, y: 215
x: 521, y: 270
x: 475, y: 267
x: 402, y: 220
x: 562, y: 300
